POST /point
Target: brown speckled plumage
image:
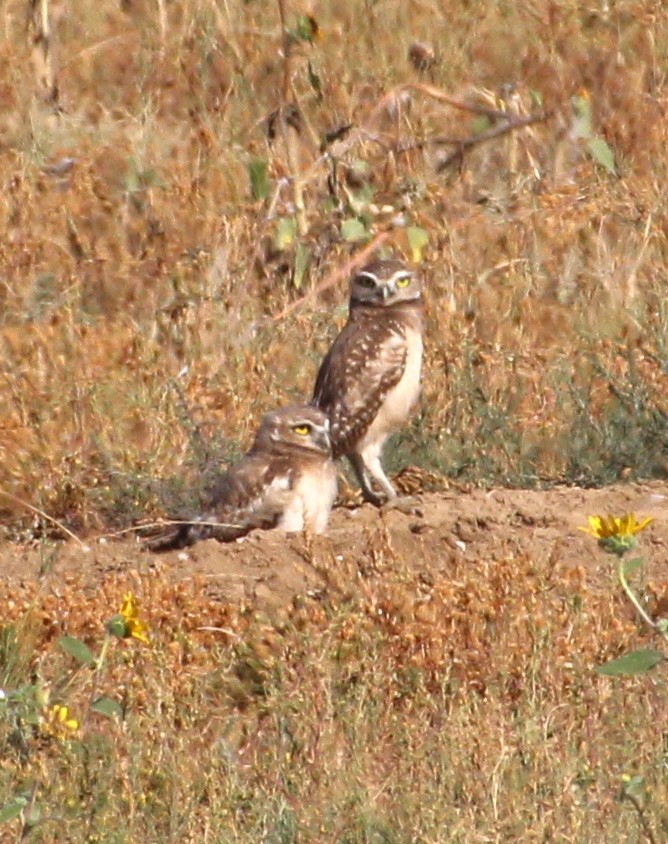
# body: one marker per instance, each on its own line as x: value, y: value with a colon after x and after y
x: 287, y: 480
x: 369, y: 380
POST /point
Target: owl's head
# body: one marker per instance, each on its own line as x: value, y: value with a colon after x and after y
x: 381, y: 284
x: 295, y: 428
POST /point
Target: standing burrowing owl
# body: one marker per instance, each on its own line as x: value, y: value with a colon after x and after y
x: 370, y: 379
x: 287, y: 480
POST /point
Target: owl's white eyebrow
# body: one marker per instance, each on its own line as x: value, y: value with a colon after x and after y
x: 370, y: 275
x: 398, y: 275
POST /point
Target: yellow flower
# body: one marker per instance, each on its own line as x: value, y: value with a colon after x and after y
x: 604, y: 527
x: 136, y: 629
x: 56, y: 722
x: 616, y: 534
x: 127, y: 624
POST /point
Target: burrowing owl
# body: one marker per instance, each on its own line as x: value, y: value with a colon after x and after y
x: 370, y: 379
x: 287, y: 480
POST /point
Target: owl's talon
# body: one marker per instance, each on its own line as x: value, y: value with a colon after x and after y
x: 407, y: 504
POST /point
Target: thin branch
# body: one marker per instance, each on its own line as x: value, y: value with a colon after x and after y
x: 259, y: 237
x: 509, y: 122
x: 509, y: 125
x: 436, y: 94
x: 44, y: 516
x: 336, y: 275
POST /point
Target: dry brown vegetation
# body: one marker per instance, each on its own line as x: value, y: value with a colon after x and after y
x: 168, y: 266
x: 133, y: 248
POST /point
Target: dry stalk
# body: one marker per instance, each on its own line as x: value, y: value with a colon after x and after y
x: 42, y: 50
x: 44, y: 515
x: 162, y: 17
x: 288, y: 133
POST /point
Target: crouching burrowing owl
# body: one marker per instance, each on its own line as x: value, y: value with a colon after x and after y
x: 287, y: 480
x: 370, y: 379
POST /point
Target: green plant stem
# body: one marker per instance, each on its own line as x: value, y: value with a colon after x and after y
x: 646, y: 828
x: 96, y: 674
x: 634, y: 600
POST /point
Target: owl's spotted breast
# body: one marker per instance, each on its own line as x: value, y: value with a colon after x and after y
x: 366, y: 361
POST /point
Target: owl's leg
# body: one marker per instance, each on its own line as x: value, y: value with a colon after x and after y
x: 368, y: 468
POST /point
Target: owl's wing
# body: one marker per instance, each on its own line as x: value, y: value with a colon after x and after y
x: 365, y: 362
x: 252, y: 494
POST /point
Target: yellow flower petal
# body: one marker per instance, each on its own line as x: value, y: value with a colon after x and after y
x: 128, y: 607
x: 603, y: 527
x: 135, y: 628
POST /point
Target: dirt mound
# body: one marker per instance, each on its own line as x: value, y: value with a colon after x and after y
x: 271, y: 568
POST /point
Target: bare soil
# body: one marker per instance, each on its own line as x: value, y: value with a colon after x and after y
x: 270, y: 568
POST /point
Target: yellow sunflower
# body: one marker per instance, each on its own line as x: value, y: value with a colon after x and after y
x: 603, y: 527
x: 127, y: 624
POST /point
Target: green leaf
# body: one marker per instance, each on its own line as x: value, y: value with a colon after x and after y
x: 359, y: 200
x: 637, y: 662
x: 480, y: 124
x: 307, y: 28
x: 629, y: 566
x: 82, y: 653
x: 417, y: 240
x: 12, y: 809
x: 151, y: 179
x: 315, y: 82
x: 602, y: 154
x: 536, y: 98
x: 581, y: 117
x: 302, y: 261
x: 353, y: 230
x: 108, y: 707
x: 633, y: 786
x: 259, y: 179
x: 285, y: 233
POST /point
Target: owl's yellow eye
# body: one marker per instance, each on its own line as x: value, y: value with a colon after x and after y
x: 403, y: 282
x: 302, y: 430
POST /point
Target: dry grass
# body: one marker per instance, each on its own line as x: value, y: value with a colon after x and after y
x: 148, y: 256
x: 457, y: 709
x: 142, y: 328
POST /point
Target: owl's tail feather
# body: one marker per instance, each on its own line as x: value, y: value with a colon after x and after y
x: 179, y: 535
x: 174, y: 537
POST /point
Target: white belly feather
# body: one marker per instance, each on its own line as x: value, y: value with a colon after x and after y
x: 311, y: 502
x: 400, y: 400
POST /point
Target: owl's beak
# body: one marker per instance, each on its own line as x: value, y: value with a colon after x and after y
x: 386, y: 290
x: 323, y: 439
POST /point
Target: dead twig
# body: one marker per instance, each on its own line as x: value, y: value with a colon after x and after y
x: 508, y: 121
x: 41, y: 37
x: 44, y: 515
x: 435, y: 93
x: 509, y: 125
